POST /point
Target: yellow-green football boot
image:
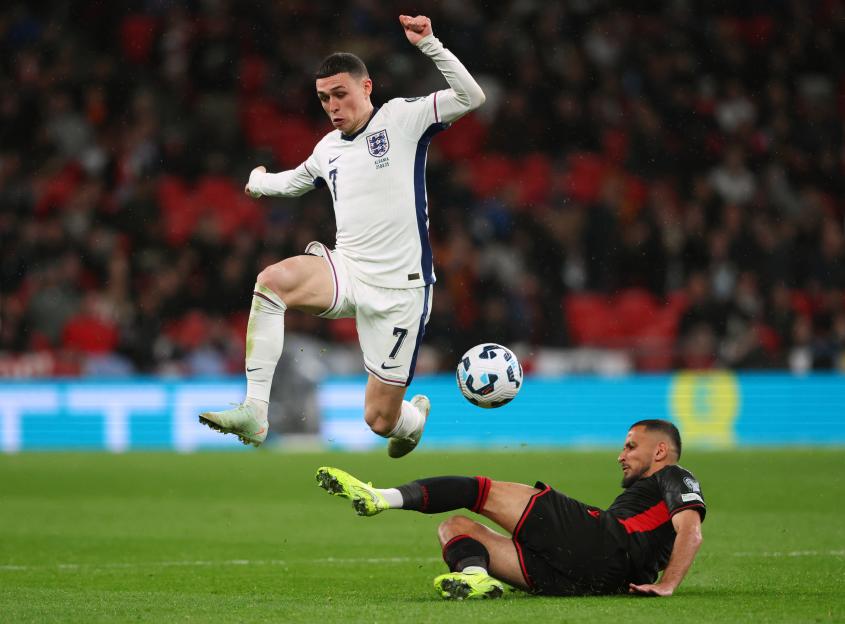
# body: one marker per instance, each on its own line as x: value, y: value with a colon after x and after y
x: 365, y: 499
x: 467, y: 585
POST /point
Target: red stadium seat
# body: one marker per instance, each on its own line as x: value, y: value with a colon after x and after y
x: 257, y: 115
x: 585, y: 172
x: 178, y: 209
x: 491, y: 173
x: 218, y: 197
x: 292, y: 140
x: 237, y: 322
x: 242, y: 214
x: 534, y: 179
x: 90, y: 334
x: 59, y: 189
x: 464, y: 140
x: 344, y: 330
x: 590, y: 320
x: 635, y: 308
x: 633, y: 320
x: 253, y: 73
x: 802, y: 303
x: 768, y: 338
x: 137, y: 35
x: 190, y: 331
x: 654, y: 344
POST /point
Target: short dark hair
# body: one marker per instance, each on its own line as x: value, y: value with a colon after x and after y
x: 341, y: 62
x: 663, y: 426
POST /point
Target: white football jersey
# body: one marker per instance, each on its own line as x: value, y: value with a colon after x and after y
x: 376, y: 178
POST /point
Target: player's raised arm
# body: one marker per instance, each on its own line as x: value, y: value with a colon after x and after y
x: 464, y: 94
x: 291, y: 183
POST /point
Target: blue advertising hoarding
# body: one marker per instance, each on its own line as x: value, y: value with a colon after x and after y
x: 718, y: 409
x: 714, y: 409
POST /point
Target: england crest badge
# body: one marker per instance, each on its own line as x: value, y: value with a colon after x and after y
x: 378, y: 144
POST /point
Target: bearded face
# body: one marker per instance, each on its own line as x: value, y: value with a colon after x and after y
x: 631, y: 476
x: 637, y: 455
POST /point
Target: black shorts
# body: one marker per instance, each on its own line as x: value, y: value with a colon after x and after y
x: 567, y: 548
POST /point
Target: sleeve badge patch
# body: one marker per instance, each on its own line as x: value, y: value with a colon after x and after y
x: 692, y: 484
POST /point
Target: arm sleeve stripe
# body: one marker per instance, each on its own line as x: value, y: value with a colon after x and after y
x: 692, y: 506
x: 436, y: 118
x: 308, y: 170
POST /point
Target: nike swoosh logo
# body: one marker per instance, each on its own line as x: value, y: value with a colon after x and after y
x: 389, y: 367
x: 331, y: 160
x: 249, y: 370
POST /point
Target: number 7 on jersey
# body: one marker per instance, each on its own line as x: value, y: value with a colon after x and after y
x: 333, y: 178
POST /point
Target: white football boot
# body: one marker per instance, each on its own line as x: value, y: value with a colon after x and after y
x: 399, y: 447
x: 247, y: 421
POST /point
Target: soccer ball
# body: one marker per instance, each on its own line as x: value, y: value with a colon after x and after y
x: 489, y: 375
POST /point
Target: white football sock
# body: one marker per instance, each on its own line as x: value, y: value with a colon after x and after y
x: 474, y: 570
x: 410, y: 421
x: 260, y: 408
x: 265, y: 338
x: 393, y: 497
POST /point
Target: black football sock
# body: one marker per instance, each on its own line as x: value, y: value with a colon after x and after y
x: 439, y: 494
x: 462, y: 551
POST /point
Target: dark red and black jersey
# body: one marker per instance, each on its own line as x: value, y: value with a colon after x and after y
x: 645, y: 511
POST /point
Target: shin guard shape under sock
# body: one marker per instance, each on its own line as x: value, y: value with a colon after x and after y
x: 463, y: 551
x: 439, y: 494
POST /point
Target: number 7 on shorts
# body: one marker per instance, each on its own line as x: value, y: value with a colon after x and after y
x: 398, y: 331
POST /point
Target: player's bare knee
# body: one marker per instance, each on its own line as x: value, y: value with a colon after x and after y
x: 269, y: 277
x: 281, y: 278
x: 452, y: 526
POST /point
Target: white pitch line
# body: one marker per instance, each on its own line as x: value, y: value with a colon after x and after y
x: 207, y: 563
x: 354, y: 560
x: 793, y: 553
x: 326, y: 561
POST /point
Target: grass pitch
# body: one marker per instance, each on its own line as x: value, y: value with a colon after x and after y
x: 249, y: 537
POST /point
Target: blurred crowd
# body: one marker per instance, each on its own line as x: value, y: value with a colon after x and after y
x: 665, y: 180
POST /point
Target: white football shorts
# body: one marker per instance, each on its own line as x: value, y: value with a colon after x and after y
x: 390, y: 321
